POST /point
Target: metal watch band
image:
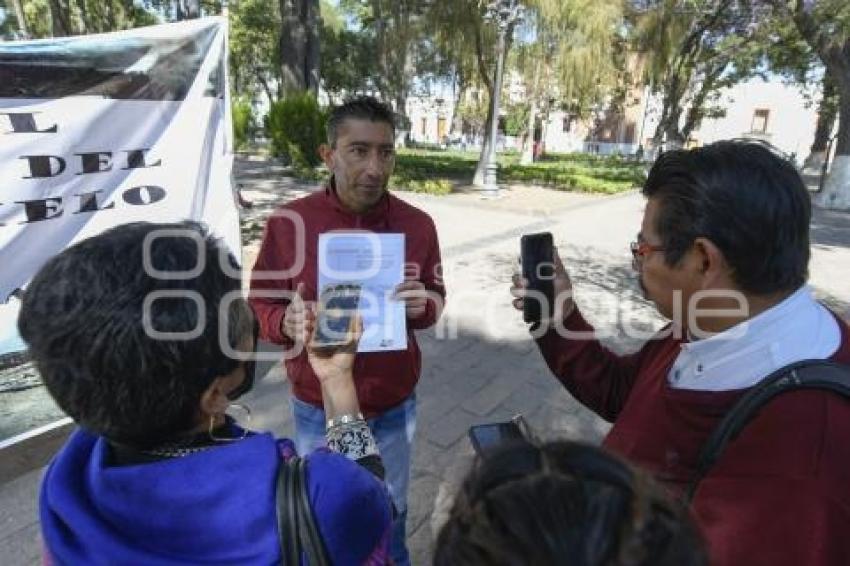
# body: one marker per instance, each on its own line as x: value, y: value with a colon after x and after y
x: 343, y: 419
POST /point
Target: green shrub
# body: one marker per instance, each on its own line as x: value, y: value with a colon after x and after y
x: 429, y: 186
x: 296, y: 128
x: 243, y: 121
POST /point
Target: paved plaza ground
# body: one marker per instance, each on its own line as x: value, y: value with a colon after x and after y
x: 479, y: 364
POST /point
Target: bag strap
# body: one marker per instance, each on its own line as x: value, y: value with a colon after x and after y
x: 806, y: 374
x: 297, y: 529
x: 287, y: 515
x: 311, y: 538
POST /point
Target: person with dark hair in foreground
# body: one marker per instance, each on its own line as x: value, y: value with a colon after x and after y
x: 723, y: 251
x: 360, y: 155
x: 564, y: 503
x: 142, y: 337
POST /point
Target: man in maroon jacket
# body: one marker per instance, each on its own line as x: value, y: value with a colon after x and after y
x: 723, y: 251
x: 360, y: 156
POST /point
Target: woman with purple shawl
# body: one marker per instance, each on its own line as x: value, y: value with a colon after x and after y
x: 140, y: 335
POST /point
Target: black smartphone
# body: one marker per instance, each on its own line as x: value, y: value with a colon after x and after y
x: 486, y: 436
x: 537, y: 254
x: 335, y: 317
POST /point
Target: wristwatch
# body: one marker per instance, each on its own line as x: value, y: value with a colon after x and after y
x: 343, y: 419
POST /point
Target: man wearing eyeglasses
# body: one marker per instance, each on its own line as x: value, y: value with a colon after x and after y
x: 725, y: 243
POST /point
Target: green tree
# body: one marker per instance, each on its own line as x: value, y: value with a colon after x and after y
x: 57, y: 18
x: 465, y: 38
x: 396, y: 33
x: 296, y: 127
x: 790, y: 56
x: 693, y: 49
x: 254, y: 28
x: 825, y: 26
x: 15, y: 24
x: 348, y: 56
x: 574, y: 57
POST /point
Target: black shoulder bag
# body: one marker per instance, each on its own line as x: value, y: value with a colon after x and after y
x: 297, y: 527
x: 807, y: 374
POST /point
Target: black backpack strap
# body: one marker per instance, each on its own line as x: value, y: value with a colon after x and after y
x: 806, y: 374
x: 308, y: 530
x: 287, y: 514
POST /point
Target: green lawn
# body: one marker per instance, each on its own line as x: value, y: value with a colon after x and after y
x: 435, y: 171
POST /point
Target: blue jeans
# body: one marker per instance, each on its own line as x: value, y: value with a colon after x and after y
x: 393, y: 432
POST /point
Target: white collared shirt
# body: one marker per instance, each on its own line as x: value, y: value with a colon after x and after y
x: 798, y: 328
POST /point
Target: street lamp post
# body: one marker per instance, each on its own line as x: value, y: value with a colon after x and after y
x: 504, y: 14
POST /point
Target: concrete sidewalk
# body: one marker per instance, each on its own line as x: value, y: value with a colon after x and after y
x: 479, y: 363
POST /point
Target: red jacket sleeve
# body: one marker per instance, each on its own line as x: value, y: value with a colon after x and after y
x: 269, y: 294
x: 598, y: 378
x: 432, y: 277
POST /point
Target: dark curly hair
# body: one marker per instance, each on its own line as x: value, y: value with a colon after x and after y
x: 564, y: 503
x: 83, y: 318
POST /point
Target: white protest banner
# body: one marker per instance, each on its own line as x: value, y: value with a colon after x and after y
x: 101, y: 130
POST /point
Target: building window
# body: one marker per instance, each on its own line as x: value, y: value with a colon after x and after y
x: 567, y: 123
x: 424, y: 124
x: 760, y: 121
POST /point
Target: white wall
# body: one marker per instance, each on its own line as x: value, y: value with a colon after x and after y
x: 429, y: 109
x: 790, y: 125
x: 556, y: 140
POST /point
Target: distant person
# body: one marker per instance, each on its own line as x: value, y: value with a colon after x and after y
x: 564, y: 503
x: 723, y: 251
x: 157, y: 473
x: 360, y: 157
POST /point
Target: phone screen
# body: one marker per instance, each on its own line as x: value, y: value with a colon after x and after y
x: 486, y: 436
x: 335, y: 320
x: 538, y: 268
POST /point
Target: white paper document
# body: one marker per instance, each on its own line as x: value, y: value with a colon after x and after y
x: 376, y: 263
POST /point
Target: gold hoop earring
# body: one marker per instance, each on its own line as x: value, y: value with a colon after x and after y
x: 211, y: 430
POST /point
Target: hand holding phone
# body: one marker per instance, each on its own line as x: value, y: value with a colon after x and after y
x: 527, y: 292
x: 538, y: 268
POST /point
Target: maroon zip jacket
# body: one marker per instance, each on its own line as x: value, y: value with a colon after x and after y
x: 383, y: 379
x: 780, y: 492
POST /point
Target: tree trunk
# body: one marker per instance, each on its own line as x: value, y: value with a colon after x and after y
x: 528, y: 152
x: 186, y: 9
x: 85, y: 25
x: 265, y: 84
x: 456, y: 127
x: 827, y: 112
x: 313, y: 22
x: 381, y: 41
x: 60, y: 18
x: 19, y: 15
x: 299, y: 46
x: 192, y: 9
x: 478, y: 179
x: 401, y: 103
x: 405, y: 66
x: 667, y: 131
x: 293, y: 47
x: 836, y: 190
